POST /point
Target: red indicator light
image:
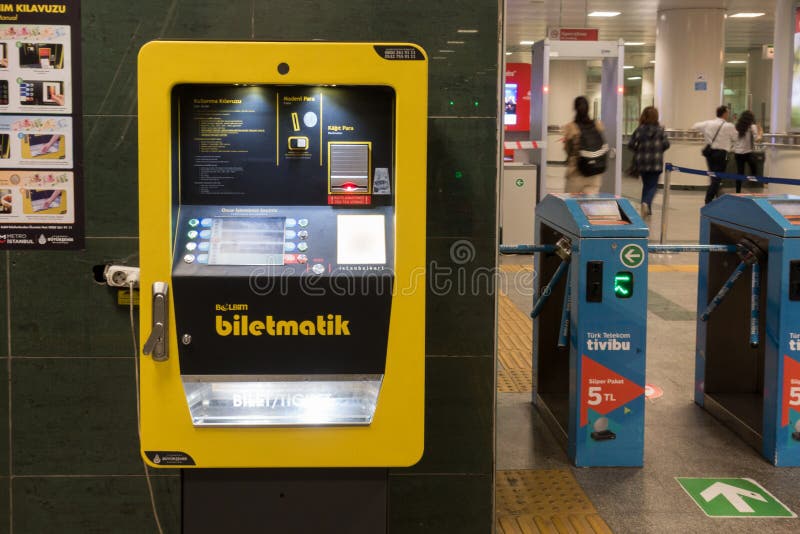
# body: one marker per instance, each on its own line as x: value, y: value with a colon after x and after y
x: 546, y: 89
x: 349, y: 186
x: 620, y: 89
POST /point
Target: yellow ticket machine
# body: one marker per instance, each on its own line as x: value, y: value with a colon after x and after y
x: 282, y: 226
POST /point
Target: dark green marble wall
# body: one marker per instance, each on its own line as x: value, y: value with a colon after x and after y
x: 70, y: 462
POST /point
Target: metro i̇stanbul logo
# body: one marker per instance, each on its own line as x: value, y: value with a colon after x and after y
x: 321, y: 325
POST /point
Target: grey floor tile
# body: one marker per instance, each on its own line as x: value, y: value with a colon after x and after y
x: 526, y: 442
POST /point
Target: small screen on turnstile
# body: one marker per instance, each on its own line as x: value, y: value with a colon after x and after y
x: 602, y: 211
x: 247, y: 241
x: 790, y: 209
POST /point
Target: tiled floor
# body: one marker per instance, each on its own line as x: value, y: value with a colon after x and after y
x: 681, y: 440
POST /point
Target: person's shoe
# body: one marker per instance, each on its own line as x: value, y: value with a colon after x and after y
x: 645, y: 211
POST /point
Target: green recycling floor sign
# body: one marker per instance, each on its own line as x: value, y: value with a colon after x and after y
x: 733, y: 497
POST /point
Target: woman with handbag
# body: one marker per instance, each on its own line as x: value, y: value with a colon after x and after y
x: 744, y: 146
x: 648, y: 143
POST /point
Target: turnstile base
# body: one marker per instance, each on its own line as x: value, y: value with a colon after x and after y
x: 553, y: 410
x: 741, y: 412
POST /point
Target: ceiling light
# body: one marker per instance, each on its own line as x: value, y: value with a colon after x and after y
x: 467, y: 31
x: 508, y: 53
x: 633, y: 43
x: 447, y: 51
x: 455, y: 42
x: 635, y: 78
x: 736, y: 62
x: 604, y: 13
x: 653, y: 61
x: 626, y: 67
x: 527, y: 42
x: 746, y: 15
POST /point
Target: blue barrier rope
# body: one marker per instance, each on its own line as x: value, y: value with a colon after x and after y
x: 731, y: 176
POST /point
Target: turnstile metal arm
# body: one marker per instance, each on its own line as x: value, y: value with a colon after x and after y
x: 158, y: 343
x: 565, y: 309
x: 750, y: 254
x: 526, y: 249
x: 723, y: 292
x: 755, y: 297
x: 564, y: 250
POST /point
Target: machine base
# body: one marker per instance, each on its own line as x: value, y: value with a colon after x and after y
x: 284, y: 500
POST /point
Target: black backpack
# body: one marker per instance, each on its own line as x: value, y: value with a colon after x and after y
x: 592, y: 151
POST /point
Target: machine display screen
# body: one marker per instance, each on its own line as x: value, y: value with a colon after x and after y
x: 602, y: 212
x: 510, y: 106
x: 247, y: 241
x: 790, y: 209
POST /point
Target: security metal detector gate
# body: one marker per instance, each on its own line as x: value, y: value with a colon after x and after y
x: 612, y: 55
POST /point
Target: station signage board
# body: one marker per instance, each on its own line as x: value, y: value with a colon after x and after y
x: 574, y: 34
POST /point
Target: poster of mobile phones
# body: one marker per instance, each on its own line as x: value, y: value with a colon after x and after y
x: 35, y: 69
x: 37, y: 196
x: 35, y: 141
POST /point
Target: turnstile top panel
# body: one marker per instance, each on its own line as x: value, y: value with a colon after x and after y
x: 592, y: 216
x: 773, y: 214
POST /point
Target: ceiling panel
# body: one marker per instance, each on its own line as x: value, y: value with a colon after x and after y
x: 529, y: 19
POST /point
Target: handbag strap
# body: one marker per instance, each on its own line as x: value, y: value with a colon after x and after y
x: 716, y: 134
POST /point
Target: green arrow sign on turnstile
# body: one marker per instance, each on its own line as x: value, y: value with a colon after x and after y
x: 520, y: 182
x: 733, y: 497
x: 631, y: 256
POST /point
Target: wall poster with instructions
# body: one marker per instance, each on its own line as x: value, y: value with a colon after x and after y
x: 41, y: 156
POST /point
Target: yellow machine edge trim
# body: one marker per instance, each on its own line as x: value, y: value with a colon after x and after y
x: 396, y: 435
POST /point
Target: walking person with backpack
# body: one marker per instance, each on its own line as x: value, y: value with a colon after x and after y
x: 749, y: 133
x: 648, y: 143
x: 719, y: 136
x: 586, y: 150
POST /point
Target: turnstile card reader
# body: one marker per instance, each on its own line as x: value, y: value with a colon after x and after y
x: 589, y: 344
x: 754, y: 388
x: 282, y: 224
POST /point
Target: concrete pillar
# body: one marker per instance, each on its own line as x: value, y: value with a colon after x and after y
x: 782, y: 66
x: 567, y: 80
x: 648, y: 87
x: 783, y: 163
x: 759, y: 86
x: 689, y: 71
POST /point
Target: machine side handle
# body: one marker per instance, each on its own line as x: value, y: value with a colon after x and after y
x: 158, y: 344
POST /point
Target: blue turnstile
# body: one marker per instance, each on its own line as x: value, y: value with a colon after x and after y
x: 589, y: 329
x: 747, y: 371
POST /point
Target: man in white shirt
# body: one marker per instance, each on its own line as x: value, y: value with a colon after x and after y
x: 720, y: 134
